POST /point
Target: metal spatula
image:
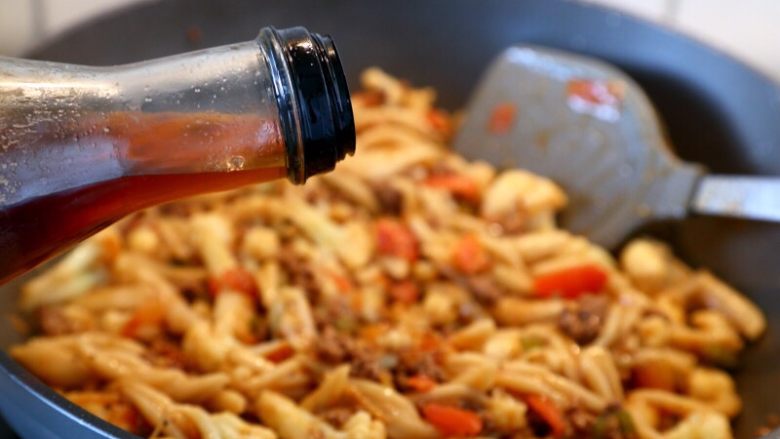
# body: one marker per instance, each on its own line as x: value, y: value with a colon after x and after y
x: 590, y: 128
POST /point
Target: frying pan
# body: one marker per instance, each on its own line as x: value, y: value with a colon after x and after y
x: 717, y: 112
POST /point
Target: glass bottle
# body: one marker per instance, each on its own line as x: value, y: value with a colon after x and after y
x: 80, y: 147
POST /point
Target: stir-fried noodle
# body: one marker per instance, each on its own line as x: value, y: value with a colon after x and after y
x: 409, y: 294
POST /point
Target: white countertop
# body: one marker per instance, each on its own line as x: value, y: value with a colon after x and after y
x: 747, y: 29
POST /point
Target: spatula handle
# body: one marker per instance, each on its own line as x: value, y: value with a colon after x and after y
x: 738, y: 196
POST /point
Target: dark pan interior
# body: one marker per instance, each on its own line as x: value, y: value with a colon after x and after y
x: 717, y: 111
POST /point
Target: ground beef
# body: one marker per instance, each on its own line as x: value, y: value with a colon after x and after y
x: 415, y: 362
x: 366, y: 365
x: 370, y: 362
x: 390, y: 199
x: 335, y: 347
x: 337, y: 314
x: 476, y: 405
x: 583, y: 319
x: 613, y: 423
x: 581, y: 422
x: 483, y: 287
x: 336, y: 416
x: 299, y: 270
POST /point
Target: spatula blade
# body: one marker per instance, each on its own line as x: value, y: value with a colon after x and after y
x: 587, y: 126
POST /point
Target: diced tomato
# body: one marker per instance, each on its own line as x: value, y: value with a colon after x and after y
x: 571, y: 283
x: 393, y: 238
x: 469, y: 256
x: 458, y: 185
x: 655, y: 375
x: 213, y: 286
x: 373, y: 332
x: 150, y: 313
x: 235, y: 279
x: 405, y: 292
x: 281, y: 353
x: 342, y: 283
x: 452, y: 421
x: 440, y: 122
x: 502, y: 118
x: 596, y: 91
x: 548, y: 412
x: 421, y: 383
x: 430, y: 342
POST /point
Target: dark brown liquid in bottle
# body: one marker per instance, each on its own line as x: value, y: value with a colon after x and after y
x: 35, y: 228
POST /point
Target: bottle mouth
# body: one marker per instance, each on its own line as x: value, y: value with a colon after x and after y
x: 313, y: 99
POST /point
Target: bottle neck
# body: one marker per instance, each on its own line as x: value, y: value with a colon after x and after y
x: 313, y: 100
